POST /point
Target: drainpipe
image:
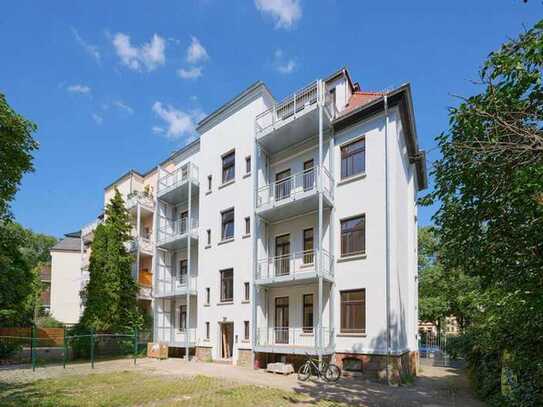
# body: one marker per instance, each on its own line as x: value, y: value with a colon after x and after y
x: 387, y: 244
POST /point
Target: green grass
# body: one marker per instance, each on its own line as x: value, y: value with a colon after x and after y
x: 130, y: 388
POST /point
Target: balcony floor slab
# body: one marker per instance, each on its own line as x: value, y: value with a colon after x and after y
x: 295, y: 205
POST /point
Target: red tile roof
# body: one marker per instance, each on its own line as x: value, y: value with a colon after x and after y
x: 360, y: 98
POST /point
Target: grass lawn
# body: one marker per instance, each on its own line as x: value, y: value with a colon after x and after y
x: 130, y: 388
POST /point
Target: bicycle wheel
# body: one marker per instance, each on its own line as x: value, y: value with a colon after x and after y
x: 304, y: 372
x: 332, y: 373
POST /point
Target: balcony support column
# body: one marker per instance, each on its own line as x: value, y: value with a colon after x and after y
x: 320, y: 236
x: 255, y: 230
x: 155, y: 262
x: 138, y: 227
x: 189, y: 270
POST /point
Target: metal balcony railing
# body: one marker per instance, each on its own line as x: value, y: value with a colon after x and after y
x: 294, y: 264
x: 181, y: 175
x: 141, y: 197
x: 170, y: 283
x: 293, y: 337
x: 300, y: 184
x: 171, y: 335
x: 175, y: 229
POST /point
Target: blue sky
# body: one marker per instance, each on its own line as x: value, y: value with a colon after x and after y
x: 115, y: 85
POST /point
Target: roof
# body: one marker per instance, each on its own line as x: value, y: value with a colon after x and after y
x: 359, y: 98
x: 368, y: 104
x: 68, y: 244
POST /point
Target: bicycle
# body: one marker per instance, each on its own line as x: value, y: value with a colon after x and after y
x: 328, y: 371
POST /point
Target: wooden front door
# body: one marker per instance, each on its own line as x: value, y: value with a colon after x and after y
x: 282, y: 255
x: 227, y: 339
x: 281, y: 320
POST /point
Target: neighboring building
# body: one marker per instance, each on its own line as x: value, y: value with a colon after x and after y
x: 287, y: 228
x: 45, y: 295
x: 66, y: 279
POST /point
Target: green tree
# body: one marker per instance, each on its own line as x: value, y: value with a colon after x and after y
x: 16, y: 148
x: 110, y: 297
x: 490, y: 223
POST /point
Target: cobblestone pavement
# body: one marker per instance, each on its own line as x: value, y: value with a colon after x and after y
x: 435, y: 386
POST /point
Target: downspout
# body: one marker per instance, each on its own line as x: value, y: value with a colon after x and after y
x: 387, y: 245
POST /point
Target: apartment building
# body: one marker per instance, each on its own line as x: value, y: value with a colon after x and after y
x: 288, y: 227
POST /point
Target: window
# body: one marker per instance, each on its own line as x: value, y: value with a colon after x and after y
x: 209, y: 236
x: 228, y: 166
x: 247, y: 225
x: 227, y: 285
x: 182, y: 277
x: 246, y: 330
x: 308, y: 313
x: 353, y: 236
x: 309, y: 175
x: 308, y: 246
x: 283, y: 183
x: 353, y: 311
x: 353, y: 158
x: 207, y: 330
x: 209, y: 182
x: 246, y: 291
x: 228, y: 224
x: 182, y: 317
x: 208, y: 295
x: 248, y: 164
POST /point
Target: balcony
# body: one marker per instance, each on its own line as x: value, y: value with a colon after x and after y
x: 289, y: 340
x: 295, y: 195
x: 177, y: 337
x: 174, y: 234
x: 294, y: 268
x: 294, y: 119
x: 142, y: 198
x: 142, y: 244
x: 87, y: 231
x: 170, y: 285
x: 173, y: 186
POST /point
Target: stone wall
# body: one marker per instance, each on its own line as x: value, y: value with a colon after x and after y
x: 203, y: 354
x: 245, y: 357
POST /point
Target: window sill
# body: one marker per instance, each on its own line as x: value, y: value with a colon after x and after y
x: 246, y: 302
x: 352, y: 178
x: 359, y: 256
x: 225, y: 184
x: 354, y: 335
x: 207, y: 305
x: 246, y: 236
x: 209, y: 192
x: 245, y: 341
x: 226, y: 241
x: 226, y: 303
x: 207, y: 246
x: 307, y: 334
x: 247, y: 175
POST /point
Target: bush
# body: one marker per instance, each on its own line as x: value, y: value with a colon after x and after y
x: 47, y: 321
x: 8, y: 349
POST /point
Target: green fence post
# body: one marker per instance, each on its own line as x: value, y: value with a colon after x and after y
x: 65, y: 348
x: 92, y: 347
x: 135, y: 344
x: 33, y: 347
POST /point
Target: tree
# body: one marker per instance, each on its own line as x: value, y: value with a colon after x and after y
x: 16, y: 147
x: 110, y: 297
x: 490, y: 223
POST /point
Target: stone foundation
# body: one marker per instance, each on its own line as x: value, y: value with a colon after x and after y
x: 262, y: 359
x: 203, y: 354
x: 245, y: 357
x: 373, y: 367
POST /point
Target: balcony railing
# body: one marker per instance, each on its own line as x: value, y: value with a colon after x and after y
x: 294, y: 265
x: 181, y: 175
x: 305, y: 337
x: 296, y: 186
x: 87, y: 231
x: 170, y: 283
x: 141, y: 197
x: 175, y: 229
x: 172, y: 335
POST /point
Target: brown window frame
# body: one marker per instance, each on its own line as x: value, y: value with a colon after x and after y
x: 307, y: 307
x: 247, y: 225
x: 248, y: 164
x: 182, y: 318
x: 348, y: 158
x: 207, y: 330
x: 349, y: 327
x: 227, y: 284
x: 208, y: 295
x: 246, y: 291
x: 229, y: 167
x: 209, y: 237
x: 225, y: 223
x: 309, y: 258
x: 346, y: 235
x: 246, y: 330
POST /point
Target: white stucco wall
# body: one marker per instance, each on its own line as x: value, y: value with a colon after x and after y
x: 66, y: 283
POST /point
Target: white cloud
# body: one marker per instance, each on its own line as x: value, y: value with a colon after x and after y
x: 283, y: 64
x: 97, y: 118
x: 90, y: 49
x: 81, y: 89
x: 123, y: 106
x: 150, y: 55
x: 190, y: 73
x: 284, y: 12
x: 196, y: 52
x: 179, y: 123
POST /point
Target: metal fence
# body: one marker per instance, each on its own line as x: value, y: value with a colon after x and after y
x: 70, y: 345
x: 434, y: 346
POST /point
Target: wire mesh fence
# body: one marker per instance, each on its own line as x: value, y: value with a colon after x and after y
x: 42, y: 347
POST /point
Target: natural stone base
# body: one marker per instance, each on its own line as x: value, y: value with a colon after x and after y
x: 245, y: 357
x: 262, y: 360
x: 203, y: 354
x: 374, y: 367
x: 176, y: 352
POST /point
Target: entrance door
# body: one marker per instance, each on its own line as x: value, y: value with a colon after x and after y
x: 282, y: 255
x: 227, y: 339
x: 182, y: 277
x: 183, y: 222
x: 281, y: 320
x: 283, y: 183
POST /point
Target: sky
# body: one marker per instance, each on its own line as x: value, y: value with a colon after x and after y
x: 115, y: 85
